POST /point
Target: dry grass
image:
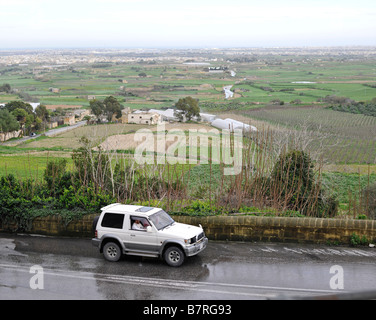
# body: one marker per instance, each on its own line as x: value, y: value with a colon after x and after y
x: 363, y: 169
x: 71, y: 138
x: 99, y: 134
x: 128, y: 141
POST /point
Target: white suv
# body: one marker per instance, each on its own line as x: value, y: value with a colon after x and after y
x: 145, y: 231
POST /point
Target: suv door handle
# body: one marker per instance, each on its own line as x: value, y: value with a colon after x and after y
x: 133, y: 235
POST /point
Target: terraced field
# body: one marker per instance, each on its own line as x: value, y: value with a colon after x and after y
x: 350, y: 138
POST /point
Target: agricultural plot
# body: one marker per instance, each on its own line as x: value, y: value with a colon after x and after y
x: 350, y: 138
x: 30, y: 165
x: 71, y: 139
x: 308, y: 84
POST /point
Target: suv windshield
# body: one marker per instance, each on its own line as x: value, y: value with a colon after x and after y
x: 161, y: 219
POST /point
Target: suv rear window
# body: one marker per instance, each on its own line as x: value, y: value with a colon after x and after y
x: 113, y: 220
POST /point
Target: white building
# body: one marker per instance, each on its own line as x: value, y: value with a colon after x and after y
x: 34, y: 105
x: 237, y: 124
x: 145, y: 117
x: 206, y: 117
x: 167, y: 115
x: 232, y: 124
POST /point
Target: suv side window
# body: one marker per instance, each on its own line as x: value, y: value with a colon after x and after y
x: 143, y: 222
x: 113, y: 220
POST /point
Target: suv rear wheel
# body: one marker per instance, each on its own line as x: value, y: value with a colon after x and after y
x: 174, y: 256
x: 112, y: 251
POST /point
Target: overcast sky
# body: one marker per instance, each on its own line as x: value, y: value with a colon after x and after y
x: 185, y: 24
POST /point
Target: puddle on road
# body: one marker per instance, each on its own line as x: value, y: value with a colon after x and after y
x: 7, y: 248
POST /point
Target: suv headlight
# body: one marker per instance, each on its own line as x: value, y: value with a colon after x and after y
x: 190, y: 241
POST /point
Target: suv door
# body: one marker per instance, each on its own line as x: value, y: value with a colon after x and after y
x: 142, y: 240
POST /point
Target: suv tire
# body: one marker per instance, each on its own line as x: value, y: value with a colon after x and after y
x: 112, y: 251
x: 174, y: 256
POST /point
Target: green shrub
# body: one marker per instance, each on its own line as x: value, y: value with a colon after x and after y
x: 294, y: 185
x: 356, y: 240
x: 56, y: 177
x: 84, y: 198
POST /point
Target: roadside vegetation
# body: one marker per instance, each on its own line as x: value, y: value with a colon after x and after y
x: 271, y: 182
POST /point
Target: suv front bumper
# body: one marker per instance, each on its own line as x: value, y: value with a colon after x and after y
x: 196, y: 248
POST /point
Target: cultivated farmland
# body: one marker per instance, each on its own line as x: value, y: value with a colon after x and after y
x: 350, y: 138
x: 281, y: 90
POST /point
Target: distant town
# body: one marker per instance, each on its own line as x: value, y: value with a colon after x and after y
x: 60, y: 58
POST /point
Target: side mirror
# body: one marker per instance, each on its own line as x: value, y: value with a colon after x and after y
x: 149, y: 229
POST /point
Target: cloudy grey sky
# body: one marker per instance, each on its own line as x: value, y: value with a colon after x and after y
x: 191, y: 23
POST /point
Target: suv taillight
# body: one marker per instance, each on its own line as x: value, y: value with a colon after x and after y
x: 96, y: 234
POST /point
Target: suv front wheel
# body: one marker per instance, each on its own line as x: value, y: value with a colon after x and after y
x: 174, y: 256
x: 112, y: 251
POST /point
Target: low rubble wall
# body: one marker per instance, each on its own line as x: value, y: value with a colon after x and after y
x: 234, y: 228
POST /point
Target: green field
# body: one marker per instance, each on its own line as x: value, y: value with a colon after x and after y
x: 28, y: 166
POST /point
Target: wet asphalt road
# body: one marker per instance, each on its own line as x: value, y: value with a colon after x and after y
x: 74, y: 269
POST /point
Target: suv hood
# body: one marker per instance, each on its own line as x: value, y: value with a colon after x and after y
x: 181, y: 230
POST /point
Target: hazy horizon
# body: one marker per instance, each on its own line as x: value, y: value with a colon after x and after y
x: 168, y: 24
x: 185, y: 48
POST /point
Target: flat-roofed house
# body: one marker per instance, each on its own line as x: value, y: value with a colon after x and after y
x: 145, y: 118
x: 69, y: 120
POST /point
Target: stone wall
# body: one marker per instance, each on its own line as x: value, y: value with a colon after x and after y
x: 9, y: 135
x: 309, y: 230
x: 236, y: 228
x: 55, y: 226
